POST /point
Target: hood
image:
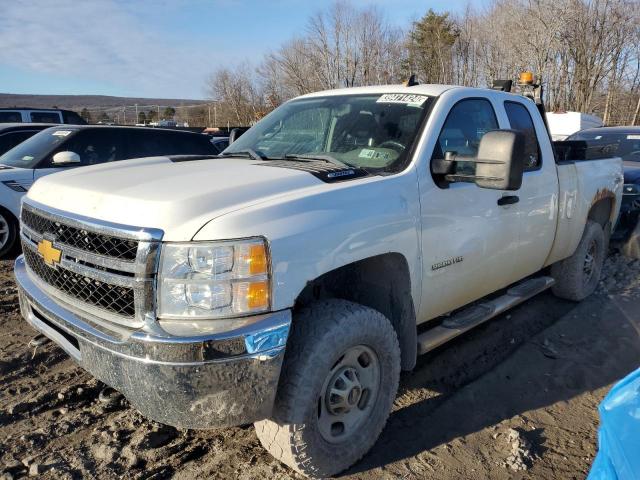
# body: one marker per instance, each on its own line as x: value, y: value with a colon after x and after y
x: 177, y: 197
x: 631, y: 172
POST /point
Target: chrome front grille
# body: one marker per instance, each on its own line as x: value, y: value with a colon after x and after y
x: 113, y: 298
x: 105, y: 269
x: 110, y: 246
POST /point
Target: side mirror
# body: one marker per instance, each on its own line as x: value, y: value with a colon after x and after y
x: 64, y: 158
x: 499, y: 162
x: 234, y: 134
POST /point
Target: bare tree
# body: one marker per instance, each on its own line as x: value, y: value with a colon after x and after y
x: 587, y: 53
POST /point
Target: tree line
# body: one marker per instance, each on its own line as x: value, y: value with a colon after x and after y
x: 587, y: 53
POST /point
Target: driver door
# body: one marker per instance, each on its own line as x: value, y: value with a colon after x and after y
x: 468, y: 240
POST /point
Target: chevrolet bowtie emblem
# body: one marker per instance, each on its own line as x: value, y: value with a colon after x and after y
x: 50, y: 254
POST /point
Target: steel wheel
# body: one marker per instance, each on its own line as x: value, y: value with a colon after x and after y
x: 4, y: 231
x: 348, y: 394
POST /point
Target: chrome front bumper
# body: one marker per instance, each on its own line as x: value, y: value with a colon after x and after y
x: 204, y: 381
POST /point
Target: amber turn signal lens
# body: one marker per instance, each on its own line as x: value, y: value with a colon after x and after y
x: 258, y: 295
x: 257, y: 260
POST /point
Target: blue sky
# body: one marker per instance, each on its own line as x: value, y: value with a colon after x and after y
x: 154, y: 48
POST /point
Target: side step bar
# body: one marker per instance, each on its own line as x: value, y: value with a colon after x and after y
x: 477, y: 314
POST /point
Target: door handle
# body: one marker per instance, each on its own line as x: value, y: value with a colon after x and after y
x: 508, y: 200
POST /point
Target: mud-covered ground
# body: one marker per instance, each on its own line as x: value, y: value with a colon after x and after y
x: 515, y: 398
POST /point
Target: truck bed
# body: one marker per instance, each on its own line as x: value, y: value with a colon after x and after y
x: 583, y: 183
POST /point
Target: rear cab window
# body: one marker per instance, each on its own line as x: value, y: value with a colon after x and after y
x: 520, y: 120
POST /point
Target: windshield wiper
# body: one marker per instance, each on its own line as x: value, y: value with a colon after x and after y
x: 323, y: 158
x: 247, y: 152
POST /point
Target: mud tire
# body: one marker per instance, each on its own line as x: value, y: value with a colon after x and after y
x: 573, y: 282
x: 320, y: 334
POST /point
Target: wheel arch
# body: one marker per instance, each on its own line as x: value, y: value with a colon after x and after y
x: 381, y: 282
x: 13, y: 238
x: 602, y: 211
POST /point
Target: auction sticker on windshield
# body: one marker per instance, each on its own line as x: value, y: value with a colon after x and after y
x: 61, y: 133
x: 409, y: 99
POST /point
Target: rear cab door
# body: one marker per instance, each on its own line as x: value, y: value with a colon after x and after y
x: 538, y: 195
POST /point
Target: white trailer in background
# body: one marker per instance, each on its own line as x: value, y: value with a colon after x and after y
x: 563, y: 124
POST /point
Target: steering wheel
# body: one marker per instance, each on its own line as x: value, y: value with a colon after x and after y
x: 397, y: 146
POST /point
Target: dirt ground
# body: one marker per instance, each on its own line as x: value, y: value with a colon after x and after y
x: 515, y: 398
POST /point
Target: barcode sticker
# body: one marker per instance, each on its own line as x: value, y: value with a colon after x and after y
x: 410, y: 99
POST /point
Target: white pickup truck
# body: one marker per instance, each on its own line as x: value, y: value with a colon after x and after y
x: 288, y: 282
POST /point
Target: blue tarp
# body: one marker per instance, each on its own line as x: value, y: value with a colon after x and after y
x: 619, y: 435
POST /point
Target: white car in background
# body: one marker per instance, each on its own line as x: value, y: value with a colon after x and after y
x: 65, y: 146
x: 40, y: 115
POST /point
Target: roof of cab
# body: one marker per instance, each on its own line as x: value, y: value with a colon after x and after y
x: 432, y: 90
x: 65, y: 126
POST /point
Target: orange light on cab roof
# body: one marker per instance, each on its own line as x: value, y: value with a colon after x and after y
x: 257, y: 295
x: 526, y: 77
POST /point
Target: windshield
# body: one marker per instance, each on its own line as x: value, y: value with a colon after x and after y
x: 624, y: 145
x: 374, y: 132
x: 30, y: 152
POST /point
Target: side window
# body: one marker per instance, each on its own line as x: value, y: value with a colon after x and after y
x: 11, y: 139
x: 465, y: 125
x: 95, y: 146
x: 146, y: 143
x: 45, y: 117
x: 520, y: 119
x: 10, y: 117
x: 192, y: 144
x: 72, y: 118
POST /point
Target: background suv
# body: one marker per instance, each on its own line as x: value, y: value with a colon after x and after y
x: 40, y: 115
x: 61, y: 147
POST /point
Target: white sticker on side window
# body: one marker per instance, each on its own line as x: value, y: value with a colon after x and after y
x: 409, y: 99
x: 61, y: 133
x: 633, y: 137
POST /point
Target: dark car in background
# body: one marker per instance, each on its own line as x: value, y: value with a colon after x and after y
x: 11, y: 134
x: 220, y: 143
x: 623, y: 142
x: 69, y: 146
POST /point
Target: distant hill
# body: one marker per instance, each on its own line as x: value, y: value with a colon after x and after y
x: 78, y: 102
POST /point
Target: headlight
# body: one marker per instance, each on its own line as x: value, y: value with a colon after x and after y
x: 199, y: 280
x: 631, y: 189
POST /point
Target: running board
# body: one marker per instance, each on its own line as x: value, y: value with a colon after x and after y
x: 477, y: 314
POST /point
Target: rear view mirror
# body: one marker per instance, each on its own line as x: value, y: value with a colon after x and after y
x: 64, y: 158
x: 499, y: 164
